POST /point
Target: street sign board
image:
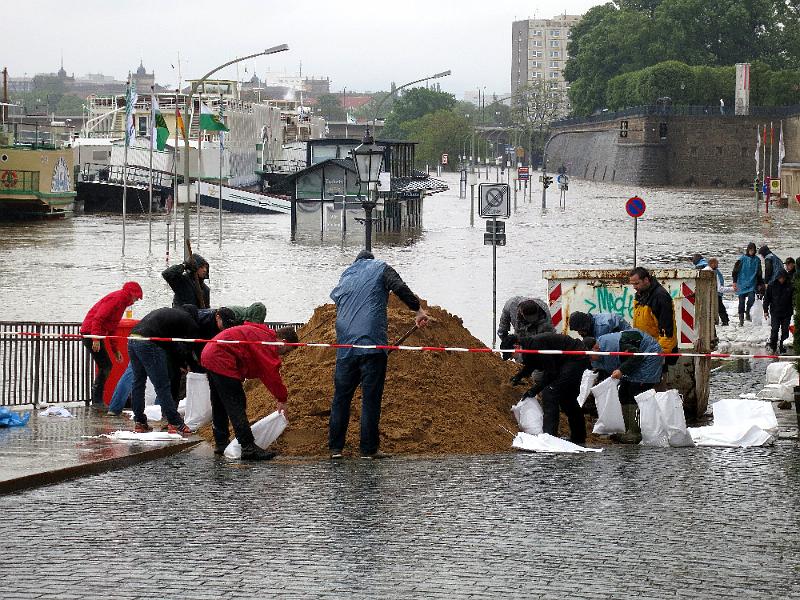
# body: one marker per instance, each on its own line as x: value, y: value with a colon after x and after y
x: 774, y: 187
x: 499, y: 239
x: 520, y: 151
x: 563, y: 178
x: 494, y: 200
x: 497, y: 226
x: 635, y: 207
x: 444, y: 159
x: 522, y: 173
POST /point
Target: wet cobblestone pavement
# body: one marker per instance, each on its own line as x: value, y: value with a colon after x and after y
x: 629, y: 522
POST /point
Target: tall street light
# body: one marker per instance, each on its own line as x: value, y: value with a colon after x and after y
x: 368, y: 158
x: 194, y: 88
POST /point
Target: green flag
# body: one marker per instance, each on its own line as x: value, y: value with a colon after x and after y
x: 209, y: 121
x: 160, y: 131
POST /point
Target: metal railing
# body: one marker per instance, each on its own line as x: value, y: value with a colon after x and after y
x: 678, y: 111
x: 39, y: 368
x: 46, y: 365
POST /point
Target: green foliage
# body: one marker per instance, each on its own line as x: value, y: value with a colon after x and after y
x: 616, y: 39
x: 437, y: 133
x: 414, y: 104
x: 330, y: 107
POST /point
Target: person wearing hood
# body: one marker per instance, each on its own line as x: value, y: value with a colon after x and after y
x: 255, y: 313
x: 789, y: 265
x: 654, y: 311
x: 699, y: 262
x: 772, y: 264
x: 778, y: 301
x: 187, y: 280
x: 103, y: 319
x: 528, y: 316
x: 636, y: 374
x: 361, y: 298
x: 747, y: 280
x: 228, y: 365
x: 161, y: 360
x: 596, y: 325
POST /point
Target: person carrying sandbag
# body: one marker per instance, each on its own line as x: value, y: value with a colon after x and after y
x: 228, y: 365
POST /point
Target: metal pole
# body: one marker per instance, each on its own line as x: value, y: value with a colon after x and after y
x: 175, y: 180
x: 635, y: 235
x: 187, y: 233
x: 494, y: 282
x: 199, y: 163
x: 221, y: 138
x: 150, y: 179
x: 472, y: 205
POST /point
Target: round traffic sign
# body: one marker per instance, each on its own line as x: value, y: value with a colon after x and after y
x: 635, y: 207
x: 494, y: 198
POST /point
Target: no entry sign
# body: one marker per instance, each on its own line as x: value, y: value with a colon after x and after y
x: 635, y: 207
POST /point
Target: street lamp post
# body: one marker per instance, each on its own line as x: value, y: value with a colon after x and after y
x: 190, y: 104
x: 368, y: 158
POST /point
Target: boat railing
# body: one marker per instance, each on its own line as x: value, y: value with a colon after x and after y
x: 135, y: 175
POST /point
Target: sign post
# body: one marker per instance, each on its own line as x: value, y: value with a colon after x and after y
x: 635, y: 207
x: 494, y: 204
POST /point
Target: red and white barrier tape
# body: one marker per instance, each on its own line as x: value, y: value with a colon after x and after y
x: 719, y: 355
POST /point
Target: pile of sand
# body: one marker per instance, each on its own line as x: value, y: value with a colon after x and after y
x: 433, y: 402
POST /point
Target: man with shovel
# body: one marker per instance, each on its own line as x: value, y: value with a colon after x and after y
x: 361, y: 298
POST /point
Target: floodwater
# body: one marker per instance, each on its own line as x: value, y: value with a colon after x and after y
x: 54, y: 271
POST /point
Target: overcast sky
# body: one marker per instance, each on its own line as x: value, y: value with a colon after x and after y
x: 359, y: 44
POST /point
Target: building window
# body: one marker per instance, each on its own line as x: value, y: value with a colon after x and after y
x: 535, y: 32
x: 555, y: 32
x: 554, y: 64
x: 555, y: 74
x: 623, y: 129
x: 536, y: 54
x: 719, y: 150
x: 555, y: 54
x: 536, y: 43
x: 143, y: 127
x: 536, y: 75
x: 535, y: 64
x: 555, y: 44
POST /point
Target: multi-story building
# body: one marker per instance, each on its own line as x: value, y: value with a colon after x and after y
x: 539, y: 52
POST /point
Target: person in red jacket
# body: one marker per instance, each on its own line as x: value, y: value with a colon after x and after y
x: 228, y: 365
x: 103, y: 319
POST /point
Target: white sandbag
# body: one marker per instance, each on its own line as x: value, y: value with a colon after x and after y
x: 744, y: 436
x: 782, y: 373
x: 670, y: 405
x: 588, y: 379
x: 651, y: 421
x: 152, y: 412
x: 609, y: 410
x: 736, y: 413
x: 529, y: 415
x: 544, y: 442
x: 150, y: 436
x: 198, y: 401
x: 757, y: 315
x: 265, y: 431
x: 776, y: 391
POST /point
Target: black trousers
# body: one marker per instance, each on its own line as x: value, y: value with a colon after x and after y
x: 228, y: 402
x: 628, y: 390
x: 563, y: 393
x: 103, y: 363
x: 783, y: 325
x: 723, y: 312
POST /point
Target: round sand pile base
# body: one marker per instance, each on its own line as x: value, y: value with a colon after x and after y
x: 433, y: 402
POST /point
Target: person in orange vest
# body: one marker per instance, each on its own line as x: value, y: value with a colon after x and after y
x: 103, y: 319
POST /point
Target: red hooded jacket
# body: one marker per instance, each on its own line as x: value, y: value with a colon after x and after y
x: 104, y: 317
x: 247, y: 361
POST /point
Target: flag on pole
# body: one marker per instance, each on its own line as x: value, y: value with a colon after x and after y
x: 160, y: 133
x: 130, y: 101
x: 179, y: 122
x: 209, y: 121
x: 758, y: 148
x: 781, y: 151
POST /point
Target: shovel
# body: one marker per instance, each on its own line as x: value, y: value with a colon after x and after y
x: 400, y: 340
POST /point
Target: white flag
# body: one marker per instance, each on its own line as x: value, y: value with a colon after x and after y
x: 130, y: 101
x: 758, y: 148
x: 781, y: 151
x: 153, y: 129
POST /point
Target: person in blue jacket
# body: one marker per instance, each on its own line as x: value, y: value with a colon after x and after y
x: 587, y: 325
x: 747, y: 280
x: 636, y: 374
x: 361, y: 298
x: 772, y: 264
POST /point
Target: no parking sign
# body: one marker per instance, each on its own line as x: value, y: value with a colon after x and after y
x: 635, y: 207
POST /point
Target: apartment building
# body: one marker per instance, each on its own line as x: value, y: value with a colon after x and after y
x: 539, y: 51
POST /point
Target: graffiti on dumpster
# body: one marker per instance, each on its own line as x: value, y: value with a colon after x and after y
x: 608, y: 300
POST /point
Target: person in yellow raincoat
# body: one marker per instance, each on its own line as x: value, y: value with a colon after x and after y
x: 654, y: 312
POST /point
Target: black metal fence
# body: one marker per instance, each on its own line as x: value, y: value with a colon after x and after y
x: 41, y: 365
x: 40, y: 362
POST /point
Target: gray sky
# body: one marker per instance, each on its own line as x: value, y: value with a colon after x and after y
x: 359, y: 44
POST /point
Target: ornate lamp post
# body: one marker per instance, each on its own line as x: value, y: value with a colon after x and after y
x: 368, y: 158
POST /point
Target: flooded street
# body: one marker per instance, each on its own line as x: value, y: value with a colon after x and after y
x: 57, y: 270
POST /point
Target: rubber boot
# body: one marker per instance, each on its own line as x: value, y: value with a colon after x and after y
x: 253, y: 452
x: 741, y: 319
x: 633, y: 434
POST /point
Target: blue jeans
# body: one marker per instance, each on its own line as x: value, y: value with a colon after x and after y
x: 370, y: 371
x: 123, y: 391
x: 751, y: 299
x: 150, y: 360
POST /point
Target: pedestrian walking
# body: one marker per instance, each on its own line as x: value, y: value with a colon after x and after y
x: 187, y: 280
x: 228, y: 365
x: 560, y: 383
x: 103, y: 319
x: 160, y: 360
x: 747, y: 281
x: 779, y: 306
x: 361, y: 298
x: 597, y: 324
x: 636, y: 374
x: 772, y: 264
x: 654, y: 312
x: 713, y: 265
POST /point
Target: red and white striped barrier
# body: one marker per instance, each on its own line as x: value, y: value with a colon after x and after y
x: 484, y: 350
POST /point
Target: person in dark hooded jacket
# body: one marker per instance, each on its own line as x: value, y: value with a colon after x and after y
x: 772, y: 264
x: 187, y: 280
x: 778, y: 301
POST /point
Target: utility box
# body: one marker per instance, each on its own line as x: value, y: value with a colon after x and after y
x: 694, y: 296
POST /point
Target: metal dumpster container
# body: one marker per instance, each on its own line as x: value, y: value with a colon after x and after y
x: 694, y: 294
